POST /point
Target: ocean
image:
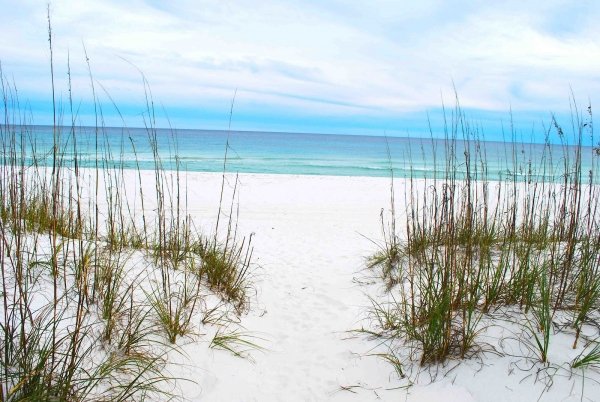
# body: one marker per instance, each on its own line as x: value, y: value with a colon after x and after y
x: 304, y: 154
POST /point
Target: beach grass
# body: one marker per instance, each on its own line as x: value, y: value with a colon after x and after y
x: 468, y: 247
x: 88, y: 268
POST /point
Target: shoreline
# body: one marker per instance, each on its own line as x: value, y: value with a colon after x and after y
x: 277, y: 153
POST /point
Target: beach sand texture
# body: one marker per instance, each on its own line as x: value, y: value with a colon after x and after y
x: 311, y: 295
x: 312, y: 235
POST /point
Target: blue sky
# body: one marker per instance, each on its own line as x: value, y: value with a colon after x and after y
x: 309, y: 66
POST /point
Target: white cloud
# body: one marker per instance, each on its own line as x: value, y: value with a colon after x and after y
x: 335, y: 57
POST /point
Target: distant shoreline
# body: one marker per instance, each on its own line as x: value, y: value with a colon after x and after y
x: 303, y: 154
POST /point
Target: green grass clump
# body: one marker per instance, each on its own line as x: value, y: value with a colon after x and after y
x: 590, y: 357
x: 470, y: 246
x: 237, y: 342
x: 226, y: 270
x: 85, y: 274
x: 174, y: 303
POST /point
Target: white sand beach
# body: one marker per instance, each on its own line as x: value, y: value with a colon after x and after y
x: 312, y: 234
x: 307, y: 332
x: 310, y: 243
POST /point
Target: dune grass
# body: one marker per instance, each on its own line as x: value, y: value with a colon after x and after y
x: 468, y: 246
x: 89, y: 269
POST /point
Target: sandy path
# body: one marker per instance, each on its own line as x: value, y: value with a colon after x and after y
x: 311, y: 238
x: 310, y: 243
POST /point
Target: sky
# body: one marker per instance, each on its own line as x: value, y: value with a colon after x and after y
x: 344, y: 67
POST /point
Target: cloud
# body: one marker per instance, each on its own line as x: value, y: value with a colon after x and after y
x: 344, y: 59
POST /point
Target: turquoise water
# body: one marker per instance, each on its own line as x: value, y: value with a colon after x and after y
x: 307, y: 154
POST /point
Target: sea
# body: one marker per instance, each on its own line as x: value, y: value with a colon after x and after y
x: 300, y: 153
